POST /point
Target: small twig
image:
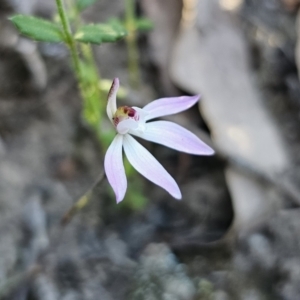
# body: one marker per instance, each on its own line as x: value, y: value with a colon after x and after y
x: 67, y: 217
x: 17, y: 280
x: 81, y: 202
x: 24, y: 276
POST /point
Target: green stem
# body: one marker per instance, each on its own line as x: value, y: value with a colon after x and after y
x: 94, y: 100
x: 89, y: 86
x: 133, y: 54
x: 69, y: 37
x: 87, y: 52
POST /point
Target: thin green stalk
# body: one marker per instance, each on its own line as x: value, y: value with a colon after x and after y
x: 133, y: 53
x: 94, y: 96
x: 69, y: 37
x: 92, y: 117
x: 86, y: 72
x: 88, y: 52
x: 89, y: 56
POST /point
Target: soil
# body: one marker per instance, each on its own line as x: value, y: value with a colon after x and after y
x: 162, y: 248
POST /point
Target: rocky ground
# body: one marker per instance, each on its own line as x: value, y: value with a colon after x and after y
x: 210, y: 245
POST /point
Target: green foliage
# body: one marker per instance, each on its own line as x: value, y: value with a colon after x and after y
x: 101, y: 33
x: 144, y: 24
x: 107, y: 135
x: 83, y: 4
x: 135, y: 198
x: 92, y: 110
x: 38, y: 29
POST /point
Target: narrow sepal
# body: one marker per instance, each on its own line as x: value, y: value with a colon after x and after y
x: 111, y: 106
x: 114, y: 168
x: 169, y: 106
x: 144, y: 162
x: 173, y: 136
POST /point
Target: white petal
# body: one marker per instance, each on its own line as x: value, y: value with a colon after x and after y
x: 111, y: 106
x: 174, y: 136
x: 144, y: 162
x: 126, y: 125
x: 114, y: 168
x: 169, y: 106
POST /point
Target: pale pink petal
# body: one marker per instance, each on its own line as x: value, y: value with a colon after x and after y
x: 126, y: 125
x: 169, y: 106
x: 144, y: 162
x: 114, y: 168
x: 174, y: 136
x: 111, y: 106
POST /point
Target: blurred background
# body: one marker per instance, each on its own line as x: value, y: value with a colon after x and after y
x: 236, y: 232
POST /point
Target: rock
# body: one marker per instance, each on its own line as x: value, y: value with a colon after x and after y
x: 253, y: 207
x: 35, y: 236
x: 166, y: 17
x: 220, y: 295
x: 21, y: 62
x: 210, y: 58
x: 215, y: 64
x: 160, y: 276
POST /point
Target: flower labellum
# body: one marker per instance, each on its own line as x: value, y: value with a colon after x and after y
x: 133, y: 121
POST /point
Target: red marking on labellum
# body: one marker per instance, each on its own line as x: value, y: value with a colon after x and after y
x: 131, y: 113
x: 123, y: 113
x: 116, y: 121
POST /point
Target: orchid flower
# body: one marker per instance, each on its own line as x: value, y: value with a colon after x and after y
x: 133, y: 121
